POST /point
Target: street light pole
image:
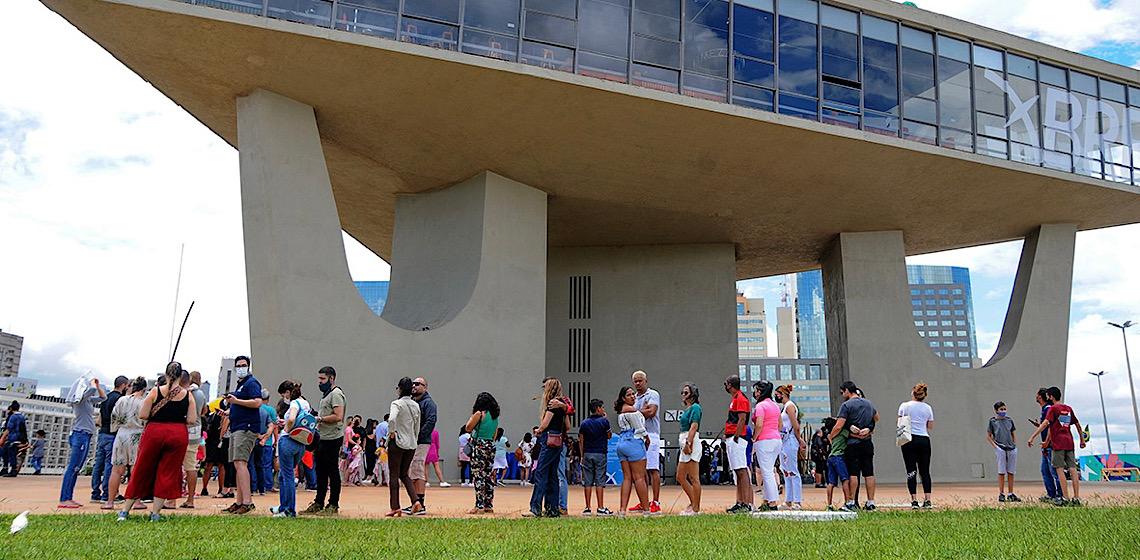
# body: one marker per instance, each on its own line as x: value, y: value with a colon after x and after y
x: 1103, y: 414
x: 1128, y: 362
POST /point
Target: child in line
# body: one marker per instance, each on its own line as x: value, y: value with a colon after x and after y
x: 1002, y: 435
x: 1059, y: 421
x: 355, y: 465
x: 38, y: 444
x: 837, y: 474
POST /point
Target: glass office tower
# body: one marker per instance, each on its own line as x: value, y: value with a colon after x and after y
x: 374, y: 293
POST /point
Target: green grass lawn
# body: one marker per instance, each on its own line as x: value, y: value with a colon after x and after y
x: 1027, y: 532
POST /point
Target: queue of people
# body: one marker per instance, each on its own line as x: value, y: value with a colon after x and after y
x: 152, y: 437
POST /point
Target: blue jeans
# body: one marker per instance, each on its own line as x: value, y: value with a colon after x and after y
x: 1049, y: 475
x: 11, y: 455
x: 289, y: 454
x: 563, y: 488
x: 101, y: 468
x: 267, y: 452
x: 80, y: 444
x: 37, y: 463
x: 310, y: 476
x: 546, y: 479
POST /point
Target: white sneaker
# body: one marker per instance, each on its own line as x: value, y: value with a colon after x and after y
x: 468, y: 485
x: 427, y: 485
x: 687, y: 512
x: 444, y: 485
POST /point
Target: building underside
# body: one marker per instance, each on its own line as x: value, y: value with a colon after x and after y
x: 541, y: 223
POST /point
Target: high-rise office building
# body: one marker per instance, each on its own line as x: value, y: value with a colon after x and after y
x: 785, y: 332
x: 943, y: 310
x: 941, y: 304
x: 375, y: 294
x: 11, y: 346
x: 751, y: 327
x: 227, y: 382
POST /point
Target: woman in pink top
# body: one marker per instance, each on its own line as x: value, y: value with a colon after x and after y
x: 431, y: 460
x: 766, y: 426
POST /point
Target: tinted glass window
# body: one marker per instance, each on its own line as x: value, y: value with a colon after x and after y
x: 547, y: 56
x: 835, y: 18
x: 388, y: 5
x: 798, y: 106
x: 564, y: 8
x: 798, y: 51
x: 753, y: 32
x: 422, y: 32
x: 656, y: 51
x: 658, y: 18
x: 604, y: 67
x: 805, y: 10
x: 1053, y: 75
x: 1021, y: 66
x: 493, y: 15
x: 1082, y: 83
x: 704, y: 87
x: 988, y: 58
x: 490, y: 45
x: 655, y: 78
x: 753, y: 97
x: 1112, y: 90
x: 953, y: 49
x: 880, y: 75
x: 367, y: 22
x: 754, y: 72
x: 604, y: 28
x: 840, y: 54
x: 917, y: 40
x: 554, y: 29
x: 446, y: 10
x: 706, y: 37
x: 954, y: 93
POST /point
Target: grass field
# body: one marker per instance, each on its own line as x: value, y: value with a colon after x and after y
x: 984, y: 533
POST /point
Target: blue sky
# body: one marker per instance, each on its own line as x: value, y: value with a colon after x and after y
x: 102, y: 179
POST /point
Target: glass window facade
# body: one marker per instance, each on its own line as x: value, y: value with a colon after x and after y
x: 796, y: 57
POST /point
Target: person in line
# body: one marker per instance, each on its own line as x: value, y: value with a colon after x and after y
x: 736, y: 445
x: 500, y: 467
x: 245, y: 429
x: 39, y: 446
x: 370, y: 451
x: 859, y: 416
x: 593, y: 439
x: 355, y: 474
x: 526, y: 445
x: 916, y: 452
x: 352, y: 431
x: 261, y: 468
x: 16, y: 430
x: 1059, y: 421
x: 433, y: 460
x: 631, y: 450
x: 167, y: 411
x: 819, y: 451
x: 403, y: 430
x: 79, y: 441
x: 1002, y: 435
x: 792, y: 445
x: 837, y: 467
x: 767, y: 441
x: 290, y: 448
x: 648, y: 402
x: 464, y: 460
x: 428, y: 417
x: 128, y: 433
x: 381, y: 476
x: 481, y: 429
x: 689, y: 462
x: 1048, y: 473
x: 330, y: 429
x: 554, y: 423
x: 101, y: 467
x: 194, y: 440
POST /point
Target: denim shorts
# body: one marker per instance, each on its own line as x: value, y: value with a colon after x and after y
x: 836, y: 470
x: 631, y: 450
x: 594, y: 470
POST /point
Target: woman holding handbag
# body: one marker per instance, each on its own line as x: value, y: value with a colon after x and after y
x: 551, y: 429
x: 916, y: 452
x: 792, y: 446
x: 483, y: 425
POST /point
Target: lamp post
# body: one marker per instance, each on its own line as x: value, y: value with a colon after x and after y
x: 1128, y: 362
x: 1103, y: 414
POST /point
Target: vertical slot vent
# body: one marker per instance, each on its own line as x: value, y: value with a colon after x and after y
x: 580, y: 297
x: 579, y: 358
x: 579, y: 392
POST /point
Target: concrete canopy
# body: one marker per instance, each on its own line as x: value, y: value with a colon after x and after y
x: 622, y: 165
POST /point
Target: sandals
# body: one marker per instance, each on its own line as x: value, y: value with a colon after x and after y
x: 187, y: 505
x: 394, y: 513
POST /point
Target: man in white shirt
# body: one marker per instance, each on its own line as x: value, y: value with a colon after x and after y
x: 648, y: 402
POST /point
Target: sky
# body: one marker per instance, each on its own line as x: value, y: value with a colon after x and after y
x: 104, y: 182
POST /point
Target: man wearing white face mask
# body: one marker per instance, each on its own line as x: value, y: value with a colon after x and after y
x: 245, y: 427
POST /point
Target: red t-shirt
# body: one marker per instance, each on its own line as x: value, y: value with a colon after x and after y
x: 739, y: 404
x: 1061, y: 417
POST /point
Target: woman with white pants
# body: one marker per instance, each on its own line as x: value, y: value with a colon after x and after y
x: 767, y: 443
x: 792, y: 444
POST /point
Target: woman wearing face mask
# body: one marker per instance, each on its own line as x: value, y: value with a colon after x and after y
x: 792, y: 443
x: 916, y: 453
x: 289, y: 450
x: 765, y: 426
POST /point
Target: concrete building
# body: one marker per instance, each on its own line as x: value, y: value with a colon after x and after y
x: 785, y: 332
x: 11, y: 346
x: 375, y: 294
x: 809, y: 379
x: 942, y: 306
x: 644, y: 158
x: 52, y: 415
x: 227, y: 382
x: 751, y: 327
x: 21, y: 385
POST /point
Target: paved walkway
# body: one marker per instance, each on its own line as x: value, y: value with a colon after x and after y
x: 39, y: 495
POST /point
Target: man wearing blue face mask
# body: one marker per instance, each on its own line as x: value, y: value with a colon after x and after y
x: 1002, y: 435
x: 245, y: 427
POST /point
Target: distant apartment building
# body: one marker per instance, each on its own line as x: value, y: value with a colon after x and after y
x: 54, y: 416
x: 808, y: 378
x: 227, y: 381
x: 751, y: 327
x: 11, y: 346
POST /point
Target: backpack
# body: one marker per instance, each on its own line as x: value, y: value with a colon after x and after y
x: 304, y: 427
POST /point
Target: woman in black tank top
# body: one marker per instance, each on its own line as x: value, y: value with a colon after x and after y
x: 158, y: 467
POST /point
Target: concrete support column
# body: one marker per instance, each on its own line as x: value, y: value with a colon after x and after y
x: 467, y: 303
x: 872, y: 341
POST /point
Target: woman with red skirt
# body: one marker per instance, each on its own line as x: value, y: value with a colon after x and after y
x: 167, y: 410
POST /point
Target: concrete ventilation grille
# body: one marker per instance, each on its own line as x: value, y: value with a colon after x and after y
x: 580, y: 297
x: 579, y: 344
x: 579, y: 350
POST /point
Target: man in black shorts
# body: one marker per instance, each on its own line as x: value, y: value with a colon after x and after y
x: 859, y: 416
